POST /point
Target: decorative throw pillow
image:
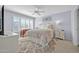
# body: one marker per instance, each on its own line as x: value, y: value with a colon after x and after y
x: 23, y: 32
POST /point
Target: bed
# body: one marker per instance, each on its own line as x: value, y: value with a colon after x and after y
x: 37, y: 40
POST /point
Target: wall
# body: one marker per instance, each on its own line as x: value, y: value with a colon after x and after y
x: 78, y: 26
x: 65, y: 19
x: 8, y: 20
x: 38, y: 21
x: 0, y: 13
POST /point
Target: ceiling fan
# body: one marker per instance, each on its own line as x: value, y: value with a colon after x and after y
x: 38, y: 11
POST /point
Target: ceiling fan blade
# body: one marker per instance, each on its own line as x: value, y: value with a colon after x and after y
x: 38, y: 11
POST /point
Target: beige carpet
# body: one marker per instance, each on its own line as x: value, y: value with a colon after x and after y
x: 64, y: 46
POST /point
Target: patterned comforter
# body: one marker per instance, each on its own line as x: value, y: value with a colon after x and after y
x: 36, y: 41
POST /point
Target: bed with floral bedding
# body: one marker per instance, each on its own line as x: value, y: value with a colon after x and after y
x: 37, y: 40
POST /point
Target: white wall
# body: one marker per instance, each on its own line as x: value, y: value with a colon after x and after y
x: 38, y: 21
x: 0, y: 13
x: 78, y: 25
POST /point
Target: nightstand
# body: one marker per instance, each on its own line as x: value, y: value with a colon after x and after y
x: 59, y: 34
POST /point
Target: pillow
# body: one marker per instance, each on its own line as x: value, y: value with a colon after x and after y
x: 23, y: 32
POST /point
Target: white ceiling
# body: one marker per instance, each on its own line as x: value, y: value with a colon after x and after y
x: 49, y: 9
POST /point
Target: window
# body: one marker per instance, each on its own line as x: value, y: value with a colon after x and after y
x: 31, y: 23
x: 23, y: 24
x: 16, y: 23
x: 19, y: 23
x: 27, y: 23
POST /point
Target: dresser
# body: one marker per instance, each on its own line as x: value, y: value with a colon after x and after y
x: 59, y: 34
